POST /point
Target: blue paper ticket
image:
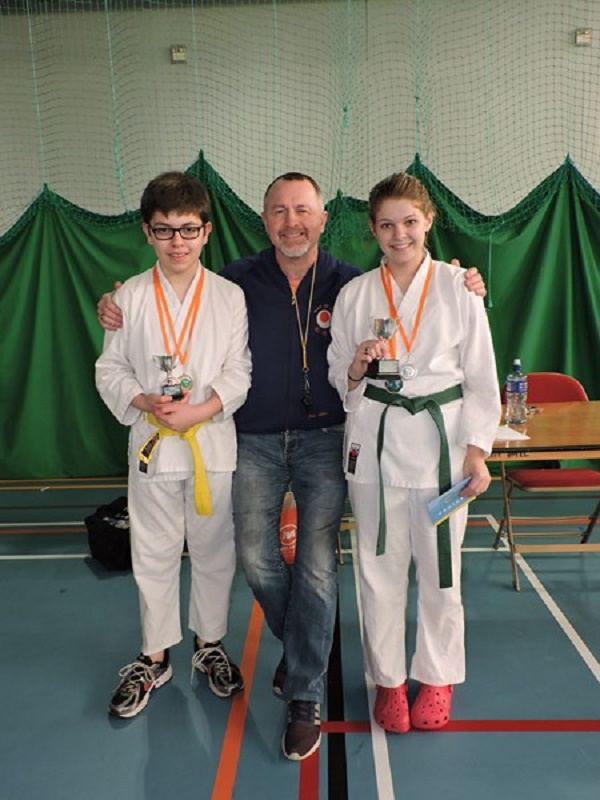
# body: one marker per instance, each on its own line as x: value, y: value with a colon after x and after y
x: 441, y: 507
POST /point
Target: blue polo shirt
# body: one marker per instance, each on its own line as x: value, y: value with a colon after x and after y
x: 275, y: 400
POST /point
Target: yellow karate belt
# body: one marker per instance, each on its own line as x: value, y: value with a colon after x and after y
x: 202, y: 499
x: 414, y: 405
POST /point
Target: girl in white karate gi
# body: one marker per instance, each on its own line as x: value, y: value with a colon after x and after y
x: 394, y: 455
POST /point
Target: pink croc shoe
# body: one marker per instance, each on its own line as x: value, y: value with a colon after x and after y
x: 432, y: 706
x: 391, y: 709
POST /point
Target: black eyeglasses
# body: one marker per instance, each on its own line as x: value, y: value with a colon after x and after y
x: 187, y: 232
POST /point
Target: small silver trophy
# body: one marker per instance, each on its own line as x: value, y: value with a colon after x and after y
x: 383, y: 368
x: 171, y: 386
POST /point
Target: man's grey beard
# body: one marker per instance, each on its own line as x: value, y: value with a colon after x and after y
x: 296, y: 252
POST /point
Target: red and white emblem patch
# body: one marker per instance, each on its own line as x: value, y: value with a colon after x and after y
x: 324, y: 319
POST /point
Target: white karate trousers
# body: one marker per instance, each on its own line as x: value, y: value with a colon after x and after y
x: 439, y: 657
x: 162, y: 515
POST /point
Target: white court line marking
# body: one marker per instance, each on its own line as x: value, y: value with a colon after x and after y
x: 40, y: 524
x: 45, y: 557
x: 54, y: 556
x: 563, y: 623
x: 493, y: 523
x: 567, y: 628
x: 381, y: 756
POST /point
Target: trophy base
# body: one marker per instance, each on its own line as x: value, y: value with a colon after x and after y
x: 384, y: 369
x: 173, y: 390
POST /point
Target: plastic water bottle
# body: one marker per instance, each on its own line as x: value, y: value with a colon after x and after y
x: 516, y: 395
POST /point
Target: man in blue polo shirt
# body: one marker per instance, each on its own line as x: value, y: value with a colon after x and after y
x: 290, y: 433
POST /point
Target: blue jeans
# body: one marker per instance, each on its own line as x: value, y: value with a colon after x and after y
x: 298, y: 602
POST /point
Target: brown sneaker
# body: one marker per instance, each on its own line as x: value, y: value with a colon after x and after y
x: 302, y: 735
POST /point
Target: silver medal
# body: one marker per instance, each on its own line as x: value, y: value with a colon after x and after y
x: 408, y: 371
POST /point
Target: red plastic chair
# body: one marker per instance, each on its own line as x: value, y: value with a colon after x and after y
x: 547, y: 387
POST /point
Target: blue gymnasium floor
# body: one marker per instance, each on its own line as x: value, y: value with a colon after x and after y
x: 525, y: 725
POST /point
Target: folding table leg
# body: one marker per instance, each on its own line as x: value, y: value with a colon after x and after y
x: 591, y: 524
x: 506, y: 492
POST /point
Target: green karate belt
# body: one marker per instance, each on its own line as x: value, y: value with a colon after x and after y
x: 430, y: 403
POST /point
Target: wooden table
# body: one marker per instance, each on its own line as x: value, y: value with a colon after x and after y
x: 560, y: 430
x: 557, y: 431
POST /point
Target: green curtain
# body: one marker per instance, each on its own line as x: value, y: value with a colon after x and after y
x: 541, y: 273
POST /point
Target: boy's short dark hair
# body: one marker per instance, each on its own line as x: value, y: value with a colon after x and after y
x: 175, y: 192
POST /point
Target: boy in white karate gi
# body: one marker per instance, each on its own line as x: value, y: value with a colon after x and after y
x: 408, y: 438
x: 175, y: 373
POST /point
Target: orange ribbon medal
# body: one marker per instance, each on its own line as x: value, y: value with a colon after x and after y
x: 181, y: 343
x: 407, y: 370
